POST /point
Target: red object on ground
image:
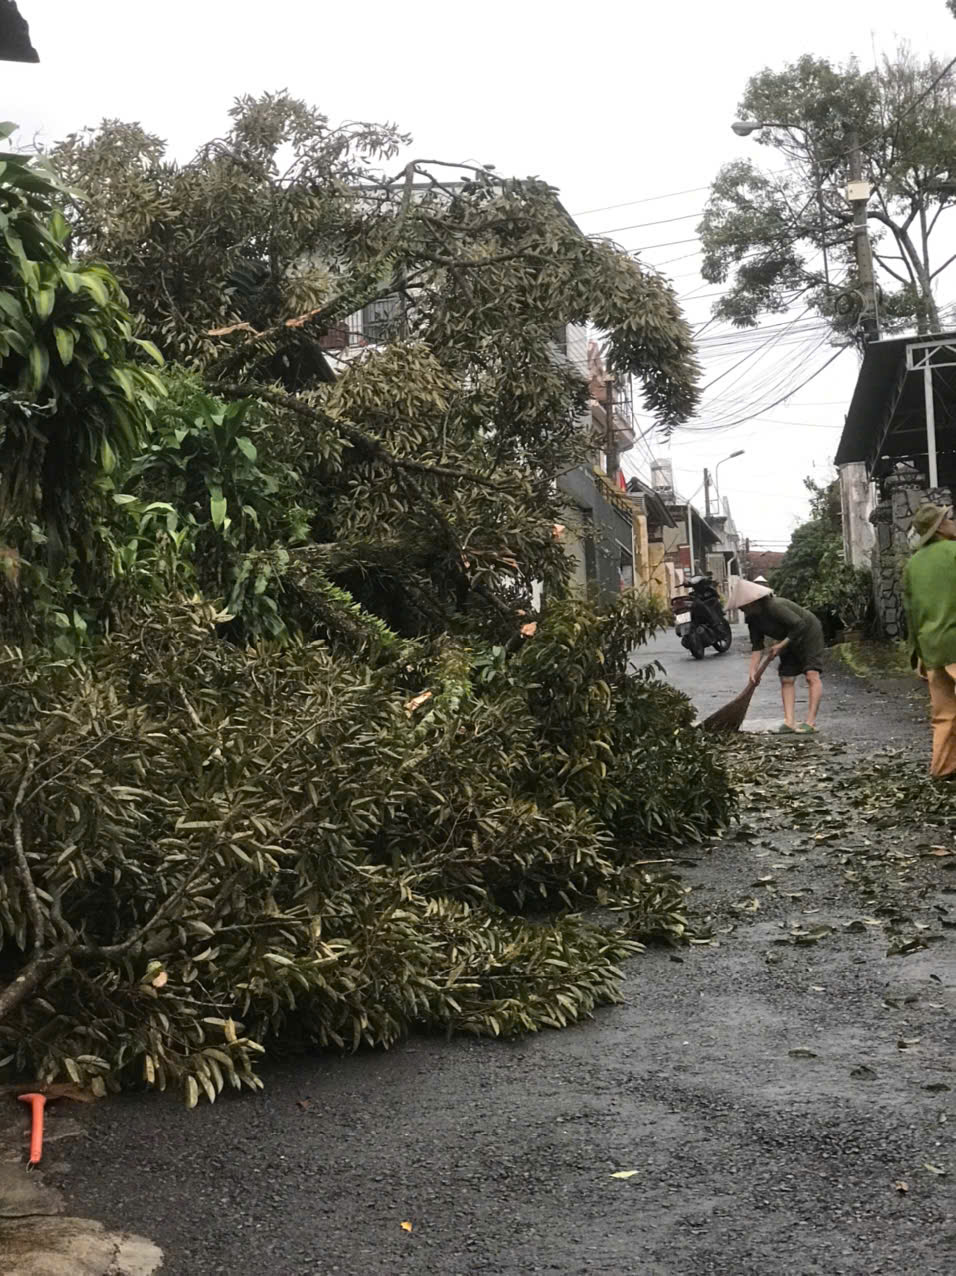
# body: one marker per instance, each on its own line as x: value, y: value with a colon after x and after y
x: 37, y: 1103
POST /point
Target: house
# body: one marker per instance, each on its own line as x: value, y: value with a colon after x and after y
x: 606, y: 527
x: 759, y: 562
x: 898, y: 449
x: 659, y: 574
x: 723, y: 561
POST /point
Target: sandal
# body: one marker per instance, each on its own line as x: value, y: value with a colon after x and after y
x: 785, y: 730
x: 805, y: 729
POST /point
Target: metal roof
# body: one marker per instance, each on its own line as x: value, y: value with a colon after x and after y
x: 886, y: 419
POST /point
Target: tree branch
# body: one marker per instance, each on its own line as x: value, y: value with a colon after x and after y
x: 890, y: 271
x: 23, y: 867
x: 374, y: 449
x: 939, y: 270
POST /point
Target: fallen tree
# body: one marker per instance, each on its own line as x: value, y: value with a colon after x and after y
x: 286, y: 755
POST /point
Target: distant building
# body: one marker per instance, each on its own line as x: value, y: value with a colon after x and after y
x: 759, y: 562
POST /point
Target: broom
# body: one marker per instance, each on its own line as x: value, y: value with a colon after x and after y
x: 731, y: 716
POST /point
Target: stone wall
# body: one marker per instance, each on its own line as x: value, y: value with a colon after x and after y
x: 905, y: 491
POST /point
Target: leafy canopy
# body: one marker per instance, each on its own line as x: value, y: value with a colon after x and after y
x: 814, y: 572
x: 783, y: 234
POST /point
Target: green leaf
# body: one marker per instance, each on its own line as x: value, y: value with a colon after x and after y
x: 58, y: 227
x: 95, y: 287
x: 247, y: 448
x: 217, y: 506
x: 124, y: 380
x: 152, y: 350
x: 64, y: 344
x: 39, y: 365
x: 107, y: 457
x: 6, y: 128
x: 46, y: 299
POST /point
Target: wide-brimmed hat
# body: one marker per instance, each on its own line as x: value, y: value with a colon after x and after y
x: 746, y: 592
x: 927, y: 520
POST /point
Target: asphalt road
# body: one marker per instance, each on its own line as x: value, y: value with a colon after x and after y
x: 750, y: 1159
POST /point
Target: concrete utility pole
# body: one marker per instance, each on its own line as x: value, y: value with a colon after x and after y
x: 610, y: 449
x: 858, y: 194
x: 706, y: 493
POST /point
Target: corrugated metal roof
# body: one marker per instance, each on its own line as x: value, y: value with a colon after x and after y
x: 882, y: 368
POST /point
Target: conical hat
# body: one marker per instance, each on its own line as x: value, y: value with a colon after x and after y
x: 746, y: 592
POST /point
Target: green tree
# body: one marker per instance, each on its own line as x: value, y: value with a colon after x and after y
x: 74, y: 400
x: 814, y: 572
x: 426, y: 467
x: 784, y: 234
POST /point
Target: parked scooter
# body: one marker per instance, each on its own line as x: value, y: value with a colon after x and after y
x: 700, y: 621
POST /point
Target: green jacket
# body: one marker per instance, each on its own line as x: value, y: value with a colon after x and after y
x: 929, y: 592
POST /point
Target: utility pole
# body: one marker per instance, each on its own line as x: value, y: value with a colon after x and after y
x: 610, y: 449
x: 706, y: 493
x: 858, y: 194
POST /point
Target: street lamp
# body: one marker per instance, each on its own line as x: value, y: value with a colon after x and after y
x: 739, y: 452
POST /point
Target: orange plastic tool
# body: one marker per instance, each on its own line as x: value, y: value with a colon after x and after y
x: 37, y: 1103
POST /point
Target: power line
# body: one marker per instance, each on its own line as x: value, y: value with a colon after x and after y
x: 647, y: 199
x: 730, y: 425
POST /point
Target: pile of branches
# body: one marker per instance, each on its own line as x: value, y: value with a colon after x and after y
x: 288, y: 754
x: 221, y: 848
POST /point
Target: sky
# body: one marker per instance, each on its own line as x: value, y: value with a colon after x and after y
x: 626, y: 109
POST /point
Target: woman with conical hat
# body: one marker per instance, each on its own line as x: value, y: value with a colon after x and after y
x: 796, y: 637
x: 929, y: 592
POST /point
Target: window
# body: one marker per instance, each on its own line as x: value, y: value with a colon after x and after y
x: 382, y: 319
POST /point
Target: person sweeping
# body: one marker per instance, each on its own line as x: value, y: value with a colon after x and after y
x: 929, y: 595
x: 796, y: 638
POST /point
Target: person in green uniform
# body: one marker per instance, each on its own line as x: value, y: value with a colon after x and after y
x: 796, y: 638
x: 929, y: 593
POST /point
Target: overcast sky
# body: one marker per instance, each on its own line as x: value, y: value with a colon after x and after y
x: 629, y: 101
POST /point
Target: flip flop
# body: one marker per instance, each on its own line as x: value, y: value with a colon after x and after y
x: 805, y: 729
x: 785, y: 730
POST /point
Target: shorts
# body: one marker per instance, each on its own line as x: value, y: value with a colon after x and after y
x: 792, y: 664
x: 797, y: 660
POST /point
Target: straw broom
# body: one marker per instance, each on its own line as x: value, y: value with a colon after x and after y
x: 731, y: 716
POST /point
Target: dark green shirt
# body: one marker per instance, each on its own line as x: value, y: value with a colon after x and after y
x: 779, y: 618
x: 929, y: 591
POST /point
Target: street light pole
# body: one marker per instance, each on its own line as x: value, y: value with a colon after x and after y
x: 739, y: 452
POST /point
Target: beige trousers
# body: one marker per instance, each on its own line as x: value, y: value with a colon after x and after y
x: 942, y: 698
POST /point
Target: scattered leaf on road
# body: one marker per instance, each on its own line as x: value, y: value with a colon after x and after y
x: 863, y: 1072
x: 907, y: 1043
x: 938, y: 1170
x: 801, y: 1052
x: 624, y: 1174
x: 406, y: 1227
x: 936, y: 1087
x: 901, y: 1187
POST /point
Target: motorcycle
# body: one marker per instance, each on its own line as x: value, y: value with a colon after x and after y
x: 700, y: 621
